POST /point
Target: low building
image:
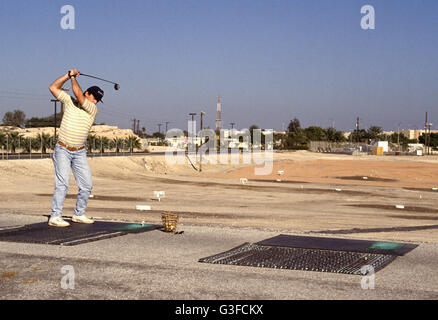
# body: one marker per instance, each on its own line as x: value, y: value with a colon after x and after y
x: 414, y: 147
x: 382, y: 144
x: 411, y: 134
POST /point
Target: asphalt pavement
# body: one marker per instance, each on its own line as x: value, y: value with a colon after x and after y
x: 159, y: 266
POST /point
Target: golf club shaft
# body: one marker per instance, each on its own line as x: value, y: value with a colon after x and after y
x: 87, y: 75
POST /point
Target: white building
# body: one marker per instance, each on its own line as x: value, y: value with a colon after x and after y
x: 383, y: 144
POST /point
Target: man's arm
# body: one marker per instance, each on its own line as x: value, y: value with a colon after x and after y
x: 56, y: 87
x: 77, y: 91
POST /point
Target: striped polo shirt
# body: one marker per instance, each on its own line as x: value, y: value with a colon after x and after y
x: 77, y: 121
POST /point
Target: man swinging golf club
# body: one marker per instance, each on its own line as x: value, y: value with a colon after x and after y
x: 70, y: 152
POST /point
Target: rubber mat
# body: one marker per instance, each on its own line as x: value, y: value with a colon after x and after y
x: 313, y: 254
x: 363, y: 246
x: 74, y: 234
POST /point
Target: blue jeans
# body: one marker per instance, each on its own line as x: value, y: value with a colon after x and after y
x: 64, y: 161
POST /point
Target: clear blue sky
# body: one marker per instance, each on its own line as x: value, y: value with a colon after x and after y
x: 270, y: 60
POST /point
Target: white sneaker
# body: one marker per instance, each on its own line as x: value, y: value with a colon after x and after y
x: 82, y: 219
x: 58, y: 222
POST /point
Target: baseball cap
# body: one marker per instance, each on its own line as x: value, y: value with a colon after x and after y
x: 96, y: 92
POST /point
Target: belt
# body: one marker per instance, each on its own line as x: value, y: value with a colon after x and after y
x: 69, y: 148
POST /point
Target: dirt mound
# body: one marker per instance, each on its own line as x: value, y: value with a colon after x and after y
x: 110, y: 132
x: 11, y: 169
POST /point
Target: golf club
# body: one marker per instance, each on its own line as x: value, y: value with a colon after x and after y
x: 116, y: 85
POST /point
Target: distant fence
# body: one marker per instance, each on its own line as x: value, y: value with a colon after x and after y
x: 23, y: 148
x: 357, y: 148
x: 336, y: 147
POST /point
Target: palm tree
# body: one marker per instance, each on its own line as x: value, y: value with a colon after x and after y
x: 91, y: 140
x: 29, y: 144
x: 143, y: 132
x: 2, y: 140
x: 44, y: 141
x: 13, y: 141
x: 104, y: 143
x: 117, y: 143
x: 374, y: 133
x: 133, y: 142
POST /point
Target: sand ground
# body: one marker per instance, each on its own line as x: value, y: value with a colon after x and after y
x: 318, y: 193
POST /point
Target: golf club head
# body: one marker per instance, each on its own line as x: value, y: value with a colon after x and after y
x: 116, y: 86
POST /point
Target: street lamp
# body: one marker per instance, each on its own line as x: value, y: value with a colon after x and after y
x: 193, y: 128
x: 201, y: 128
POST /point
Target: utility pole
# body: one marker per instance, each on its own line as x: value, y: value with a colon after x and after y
x: 193, y: 116
x: 193, y: 129
x: 357, y: 130
x: 427, y: 134
x: 167, y: 122
x: 398, y: 137
x: 231, y: 137
x: 159, y: 131
x: 193, y: 122
x: 138, y: 127
x: 135, y: 122
x: 202, y: 127
x: 429, y: 125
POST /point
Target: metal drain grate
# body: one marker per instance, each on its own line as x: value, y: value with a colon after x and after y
x: 255, y: 255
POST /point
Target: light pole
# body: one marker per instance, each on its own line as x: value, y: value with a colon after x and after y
x: 193, y: 128
x: 357, y: 132
x: 200, y: 154
x: 159, y: 132
x: 429, y: 147
x: 398, y: 137
x: 232, y: 133
x: 193, y: 116
x: 427, y: 126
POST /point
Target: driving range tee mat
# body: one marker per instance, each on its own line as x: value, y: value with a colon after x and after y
x: 314, y: 254
x: 75, y: 234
